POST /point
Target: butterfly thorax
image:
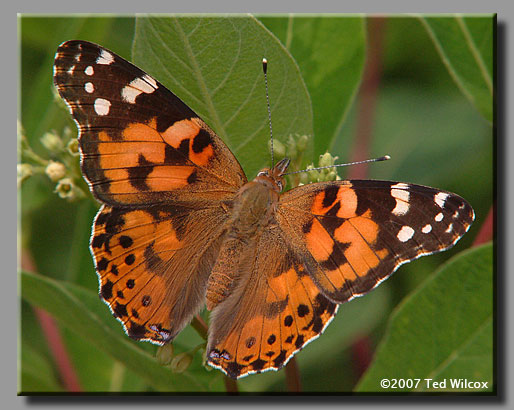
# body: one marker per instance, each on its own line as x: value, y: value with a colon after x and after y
x: 252, y: 211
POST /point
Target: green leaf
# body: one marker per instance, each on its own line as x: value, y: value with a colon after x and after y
x: 36, y: 373
x: 77, y: 309
x: 330, y: 52
x: 443, y: 329
x: 465, y: 45
x: 214, y: 64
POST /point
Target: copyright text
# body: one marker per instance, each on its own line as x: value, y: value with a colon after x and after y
x: 422, y: 384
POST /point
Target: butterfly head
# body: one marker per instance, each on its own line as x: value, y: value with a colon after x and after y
x: 274, y: 177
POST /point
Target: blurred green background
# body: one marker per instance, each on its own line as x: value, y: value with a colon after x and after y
x: 436, y: 134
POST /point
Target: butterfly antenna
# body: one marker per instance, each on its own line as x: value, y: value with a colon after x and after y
x: 384, y: 158
x: 265, y: 69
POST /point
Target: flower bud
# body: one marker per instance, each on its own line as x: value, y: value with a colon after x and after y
x: 73, y: 147
x: 23, y: 172
x: 331, y: 176
x: 55, y: 170
x: 313, y: 174
x: 326, y: 159
x: 164, y: 354
x: 66, y: 189
x: 52, y: 142
x: 291, y: 150
x: 181, y: 362
x: 301, y: 142
x: 279, y: 149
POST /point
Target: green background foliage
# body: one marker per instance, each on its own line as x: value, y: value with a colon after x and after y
x: 433, y: 116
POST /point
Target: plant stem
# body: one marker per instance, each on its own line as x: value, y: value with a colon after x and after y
x: 231, y: 385
x: 200, y: 326
x: 487, y: 229
x: 368, y: 97
x: 293, y: 376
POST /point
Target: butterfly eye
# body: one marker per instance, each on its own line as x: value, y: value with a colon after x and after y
x: 279, y: 184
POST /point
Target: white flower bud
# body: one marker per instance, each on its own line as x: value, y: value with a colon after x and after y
x: 23, y: 172
x: 52, y: 142
x: 55, y: 170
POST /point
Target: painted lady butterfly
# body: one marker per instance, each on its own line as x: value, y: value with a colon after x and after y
x: 181, y: 226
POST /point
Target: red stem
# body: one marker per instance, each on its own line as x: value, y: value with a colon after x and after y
x: 60, y: 354
x: 368, y: 97
x: 361, y: 352
x: 293, y: 376
x: 231, y: 385
x: 487, y: 229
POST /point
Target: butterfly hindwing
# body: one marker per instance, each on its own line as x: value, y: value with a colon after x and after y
x: 275, y: 310
x: 153, y: 265
x: 139, y: 143
x: 357, y: 233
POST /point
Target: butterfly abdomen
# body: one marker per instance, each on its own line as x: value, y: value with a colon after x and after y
x: 252, y: 211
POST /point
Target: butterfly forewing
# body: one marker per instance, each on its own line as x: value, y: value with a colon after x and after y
x: 139, y: 143
x: 357, y: 233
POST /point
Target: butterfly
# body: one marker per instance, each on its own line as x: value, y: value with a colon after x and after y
x: 181, y: 227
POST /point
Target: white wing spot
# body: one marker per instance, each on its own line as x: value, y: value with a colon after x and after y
x: 438, y: 217
x: 105, y: 58
x: 402, y: 199
x: 449, y: 229
x: 440, y: 198
x: 89, y: 87
x: 405, y: 233
x: 102, y: 106
x: 130, y: 92
x: 150, y: 80
x: 89, y: 70
x: 427, y: 228
x: 70, y: 70
x: 455, y: 215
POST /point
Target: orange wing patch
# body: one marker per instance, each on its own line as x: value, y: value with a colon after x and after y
x: 191, y: 132
x: 346, y: 197
x: 145, y: 163
x: 340, y: 237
